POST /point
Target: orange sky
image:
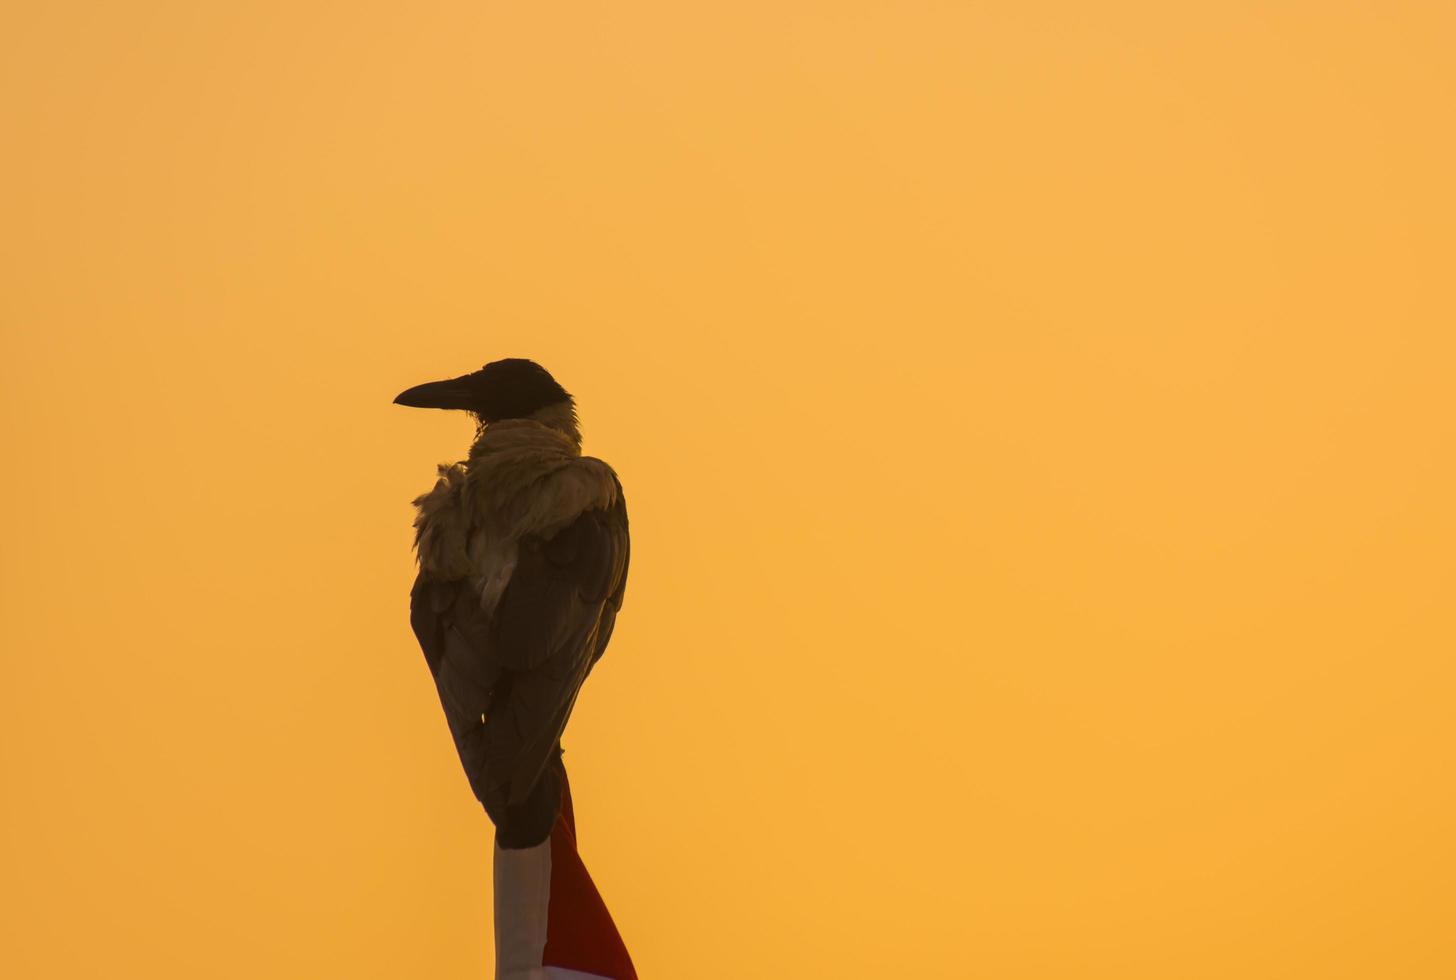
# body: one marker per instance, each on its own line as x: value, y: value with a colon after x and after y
x: 1036, y: 420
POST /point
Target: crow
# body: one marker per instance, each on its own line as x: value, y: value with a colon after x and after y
x: 523, y: 551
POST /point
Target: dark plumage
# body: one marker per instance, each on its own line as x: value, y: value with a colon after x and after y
x: 523, y: 565
x: 512, y: 388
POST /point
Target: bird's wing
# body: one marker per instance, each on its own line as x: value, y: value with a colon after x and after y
x: 455, y: 636
x: 551, y: 625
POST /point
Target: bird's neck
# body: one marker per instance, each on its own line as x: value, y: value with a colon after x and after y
x: 562, y: 418
x: 553, y: 428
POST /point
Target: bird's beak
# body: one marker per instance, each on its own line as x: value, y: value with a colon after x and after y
x: 455, y: 393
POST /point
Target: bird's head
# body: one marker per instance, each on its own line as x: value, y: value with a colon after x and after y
x: 513, y: 388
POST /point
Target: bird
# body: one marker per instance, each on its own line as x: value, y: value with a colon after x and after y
x: 523, y: 550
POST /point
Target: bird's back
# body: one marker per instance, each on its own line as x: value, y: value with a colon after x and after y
x: 523, y: 565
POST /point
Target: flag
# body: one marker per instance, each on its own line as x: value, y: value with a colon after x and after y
x: 550, y: 920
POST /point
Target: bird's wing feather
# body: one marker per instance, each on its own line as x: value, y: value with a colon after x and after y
x: 552, y: 624
x: 454, y: 635
x: 508, y: 680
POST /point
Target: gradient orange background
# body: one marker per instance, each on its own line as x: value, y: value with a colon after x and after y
x: 1036, y: 419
